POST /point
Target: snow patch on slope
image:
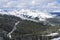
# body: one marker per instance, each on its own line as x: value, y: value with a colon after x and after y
x: 56, y: 38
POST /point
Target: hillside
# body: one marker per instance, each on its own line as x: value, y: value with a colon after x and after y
x: 25, y: 27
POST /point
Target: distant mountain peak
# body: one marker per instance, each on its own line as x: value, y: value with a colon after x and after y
x: 27, y: 14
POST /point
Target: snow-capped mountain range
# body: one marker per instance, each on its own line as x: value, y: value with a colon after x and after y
x: 26, y: 14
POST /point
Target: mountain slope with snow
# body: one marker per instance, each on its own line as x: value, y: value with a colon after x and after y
x: 30, y: 15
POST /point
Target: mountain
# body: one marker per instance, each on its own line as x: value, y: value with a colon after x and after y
x: 31, y: 23
x: 56, y: 13
x: 24, y: 28
x: 26, y: 14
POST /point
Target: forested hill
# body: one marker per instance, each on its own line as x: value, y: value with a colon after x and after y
x: 25, y: 27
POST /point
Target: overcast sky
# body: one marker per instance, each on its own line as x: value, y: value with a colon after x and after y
x: 49, y: 5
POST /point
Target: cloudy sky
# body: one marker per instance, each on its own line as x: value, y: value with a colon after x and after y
x: 46, y: 5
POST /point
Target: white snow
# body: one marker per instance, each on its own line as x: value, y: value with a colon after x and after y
x: 41, y: 15
x: 56, y: 38
x: 9, y: 34
x: 53, y: 34
x: 35, y: 14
